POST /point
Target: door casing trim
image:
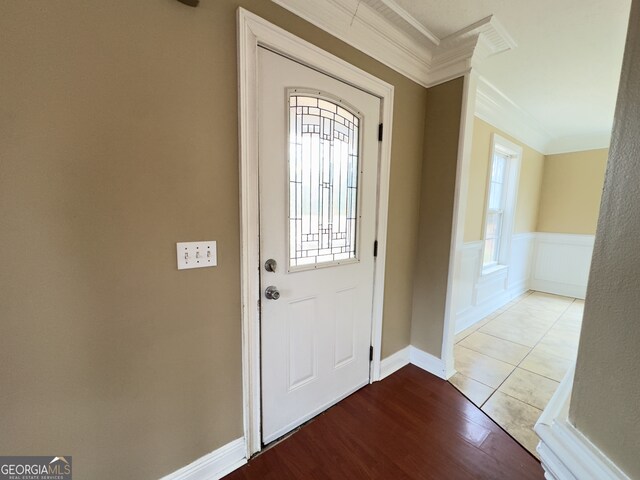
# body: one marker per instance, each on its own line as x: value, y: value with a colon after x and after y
x: 254, y: 31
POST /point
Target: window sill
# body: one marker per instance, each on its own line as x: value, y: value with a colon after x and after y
x: 493, y: 270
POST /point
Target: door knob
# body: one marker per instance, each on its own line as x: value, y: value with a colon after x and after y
x: 270, y: 265
x: 272, y: 293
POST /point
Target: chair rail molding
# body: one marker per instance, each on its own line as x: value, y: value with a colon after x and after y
x: 414, y: 51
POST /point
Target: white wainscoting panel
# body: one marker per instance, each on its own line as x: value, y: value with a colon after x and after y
x: 466, y: 277
x: 522, y: 250
x: 214, y: 465
x: 479, y: 295
x: 490, y: 287
x: 565, y: 453
x: 555, y: 263
x: 561, y: 263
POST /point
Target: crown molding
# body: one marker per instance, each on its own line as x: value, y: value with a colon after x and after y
x: 389, y: 34
x: 467, y: 48
x: 360, y: 26
x: 411, y: 20
x: 416, y: 53
x: 495, y: 36
x: 495, y: 108
x: 579, y: 143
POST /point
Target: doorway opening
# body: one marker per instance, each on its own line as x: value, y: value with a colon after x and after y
x: 520, y: 294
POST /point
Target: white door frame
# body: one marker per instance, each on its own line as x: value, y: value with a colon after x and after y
x: 254, y: 31
x: 463, y: 167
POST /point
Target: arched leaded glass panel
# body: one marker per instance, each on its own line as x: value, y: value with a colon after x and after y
x: 323, y: 181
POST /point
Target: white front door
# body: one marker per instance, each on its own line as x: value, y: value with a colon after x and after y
x: 318, y: 169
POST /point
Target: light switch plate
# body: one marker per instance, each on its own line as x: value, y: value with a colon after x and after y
x: 196, y: 254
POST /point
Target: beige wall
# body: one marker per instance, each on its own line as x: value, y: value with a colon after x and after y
x: 556, y: 193
x: 531, y: 169
x: 118, y: 138
x: 571, y: 191
x: 606, y: 390
x: 442, y: 132
x: 404, y: 203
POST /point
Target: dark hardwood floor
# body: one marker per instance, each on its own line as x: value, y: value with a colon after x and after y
x: 411, y: 425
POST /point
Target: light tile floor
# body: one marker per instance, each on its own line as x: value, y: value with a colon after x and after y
x: 511, y: 362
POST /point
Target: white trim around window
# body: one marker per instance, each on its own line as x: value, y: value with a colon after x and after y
x: 506, y: 207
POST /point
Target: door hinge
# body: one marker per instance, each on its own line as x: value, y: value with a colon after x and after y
x: 371, y: 353
x: 375, y: 248
x: 380, y: 132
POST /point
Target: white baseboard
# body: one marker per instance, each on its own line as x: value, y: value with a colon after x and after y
x: 214, y: 465
x: 565, y: 453
x: 449, y: 368
x: 427, y: 362
x: 415, y: 356
x: 477, y: 313
x: 557, y: 288
x: 394, y: 362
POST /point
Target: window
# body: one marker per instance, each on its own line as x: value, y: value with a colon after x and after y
x: 500, y: 205
x: 495, y: 209
x: 323, y: 182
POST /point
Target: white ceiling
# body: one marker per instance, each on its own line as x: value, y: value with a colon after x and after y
x: 564, y: 72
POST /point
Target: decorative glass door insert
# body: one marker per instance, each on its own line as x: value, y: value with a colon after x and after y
x: 323, y: 181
